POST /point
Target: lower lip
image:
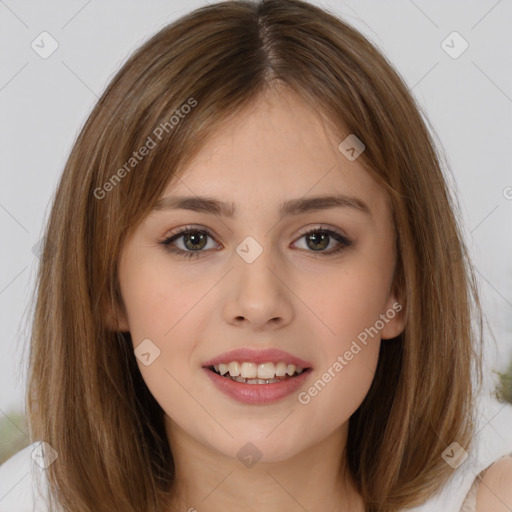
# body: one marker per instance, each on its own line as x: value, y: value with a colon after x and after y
x: 257, y: 394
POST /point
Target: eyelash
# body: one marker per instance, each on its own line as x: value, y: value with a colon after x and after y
x: 343, y: 240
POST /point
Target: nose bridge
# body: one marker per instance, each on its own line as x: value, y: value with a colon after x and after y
x: 259, y: 294
x: 254, y: 267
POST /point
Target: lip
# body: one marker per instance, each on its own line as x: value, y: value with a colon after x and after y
x: 257, y: 394
x: 270, y: 355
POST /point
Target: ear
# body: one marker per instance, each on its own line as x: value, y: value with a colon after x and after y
x: 116, y: 318
x: 394, y: 315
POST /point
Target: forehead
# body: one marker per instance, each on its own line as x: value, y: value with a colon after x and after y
x: 275, y: 149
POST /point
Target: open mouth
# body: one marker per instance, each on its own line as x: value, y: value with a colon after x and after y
x: 252, y: 373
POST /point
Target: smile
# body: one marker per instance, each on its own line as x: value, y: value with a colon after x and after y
x: 253, y: 373
x: 257, y: 376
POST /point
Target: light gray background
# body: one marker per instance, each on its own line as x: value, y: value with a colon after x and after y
x: 44, y: 102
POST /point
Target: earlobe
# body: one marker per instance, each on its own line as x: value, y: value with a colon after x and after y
x: 115, y: 320
x: 394, y: 318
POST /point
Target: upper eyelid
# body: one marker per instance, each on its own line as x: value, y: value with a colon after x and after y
x: 303, y: 231
x: 183, y: 231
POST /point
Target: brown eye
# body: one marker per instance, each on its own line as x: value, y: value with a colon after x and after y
x: 194, y: 241
x: 318, y: 239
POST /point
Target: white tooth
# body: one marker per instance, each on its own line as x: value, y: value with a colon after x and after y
x: 216, y: 366
x: 280, y: 369
x: 223, y: 368
x: 299, y: 369
x: 290, y: 369
x: 249, y: 370
x: 234, y: 368
x: 266, y: 371
x: 256, y: 381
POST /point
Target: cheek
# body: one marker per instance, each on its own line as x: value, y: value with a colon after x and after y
x: 349, y: 306
x: 166, y: 309
x: 156, y: 300
x: 339, y: 391
x: 350, y: 346
x: 347, y: 303
x: 158, y: 314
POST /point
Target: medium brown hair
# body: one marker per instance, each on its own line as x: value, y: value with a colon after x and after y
x: 86, y: 397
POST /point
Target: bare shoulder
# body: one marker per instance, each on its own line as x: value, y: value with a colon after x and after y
x: 495, y: 489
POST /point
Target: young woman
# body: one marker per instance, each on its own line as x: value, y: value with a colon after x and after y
x: 254, y: 293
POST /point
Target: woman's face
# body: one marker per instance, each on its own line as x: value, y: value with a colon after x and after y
x: 256, y: 281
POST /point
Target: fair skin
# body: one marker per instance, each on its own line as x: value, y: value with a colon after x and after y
x: 293, y: 297
x: 495, y: 489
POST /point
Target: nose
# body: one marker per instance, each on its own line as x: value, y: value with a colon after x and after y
x: 258, y: 295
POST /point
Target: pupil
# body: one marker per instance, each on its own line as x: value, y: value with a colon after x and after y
x: 320, y: 237
x: 198, y: 237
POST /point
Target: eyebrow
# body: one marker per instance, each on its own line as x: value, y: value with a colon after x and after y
x: 291, y: 207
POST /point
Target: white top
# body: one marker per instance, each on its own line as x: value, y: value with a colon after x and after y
x: 20, y: 492
x: 18, y: 483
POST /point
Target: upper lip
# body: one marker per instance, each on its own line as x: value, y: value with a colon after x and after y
x: 258, y: 356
